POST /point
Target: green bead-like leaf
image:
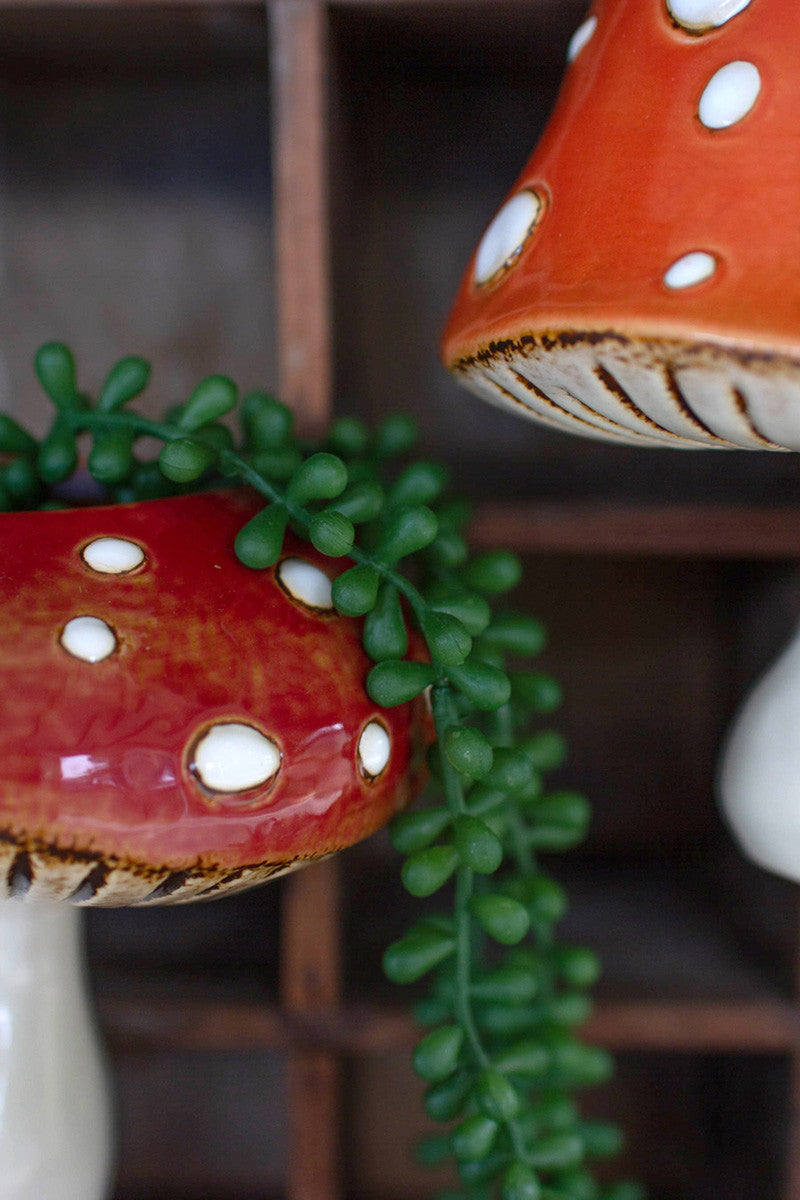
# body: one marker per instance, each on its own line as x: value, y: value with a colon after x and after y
x: 259, y: 543
x: 520, y: 1183
x: 278, y: 465
x: 436, y: 1056
x: 627, y: 1190
x: 448, y: 640
x: 578, y: 1184
x: 414, y: 955
x: 55, y: 368
x: 347, y: 436
x: 468, y: 751
x: 185, y: 460
x: 496, y: 1095
x: 546, y: 749
x: 385, y: 634
x: 557, y: 1151
x: 331, y: 533
x: 577, y: 965
x: 396, y: 682
x: 601, y: 1139
x: 425, y: 871
x: 405, y: 532
x: 444, y: 1101
x: 320, y: 477
x: 471, y: 610
x: 493, y: 572
x: 213, y: 397
x: 515, y: 634
x: 474, y: 1138
x: 569, y: 1008
x: 356, y: 591
x: 58, y: 455
x: 415, y: 831
x: 266, y: 422
x: 396, y: 435
x: 477, y: 1171
x: 111, y: 457
x: 527, y: 1057
x: 576, y: 1065
x: 431, y: 1151
x: 508, y: 985
x: 504, y: 919
x: 448, y: 550
x: 546, y: 899
x: 126, y: 380
x: 478, y: 848
x: 484, y: 800
x: 21, y: 480
x: 13, y: 438
x: 360, y: 501
x: 511, y: 770
x: 419, y: 483
x: 485, y: 686
x: 560, y: 821
x: 536, y: 691
x: 216, y: 435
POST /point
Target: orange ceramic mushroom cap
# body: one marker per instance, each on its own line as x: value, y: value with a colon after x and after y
x: 176, y: 725
x: 641, y: 283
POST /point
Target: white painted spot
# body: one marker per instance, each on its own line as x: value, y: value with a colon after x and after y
x: 234, y: 757
x: 374, y: 749
x: 729, y: 95
x: 697, y: 15
x: 580, y: 37
x: 305, y: 582
x: 691, y: 269
x: 88, y: 638
x: 113, y: 556
x: 507, y: 234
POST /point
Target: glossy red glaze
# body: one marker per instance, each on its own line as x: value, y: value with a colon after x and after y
x: 95, y: 758
x: 634, y: 181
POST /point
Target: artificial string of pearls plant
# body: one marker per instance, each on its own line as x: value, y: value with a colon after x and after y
x: 500, y: 1056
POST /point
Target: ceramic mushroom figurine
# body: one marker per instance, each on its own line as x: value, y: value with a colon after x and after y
x: 175, y: 726
x: 640, y: 285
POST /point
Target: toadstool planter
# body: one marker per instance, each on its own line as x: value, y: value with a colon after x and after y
x: 639, y: 285
x: 175, y: 727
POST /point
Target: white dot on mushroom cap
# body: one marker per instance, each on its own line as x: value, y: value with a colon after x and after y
x: 507, y: 234
x: 729, y: 95
x: 305, y: 582
x: 696, y: 15
x: 88, y: 638
x: 580, y: 37
x: 113, y: 556
x: 374, y: 749
x: 234, y: 757
x: 690, y: 269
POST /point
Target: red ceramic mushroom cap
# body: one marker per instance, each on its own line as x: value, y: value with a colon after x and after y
x: 641, y: 283
x: 176, y: 725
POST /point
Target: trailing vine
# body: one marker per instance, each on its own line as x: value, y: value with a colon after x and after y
x: 499, y: 1056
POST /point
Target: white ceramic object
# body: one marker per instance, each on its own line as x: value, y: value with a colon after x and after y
x: 759, y: 779
x: 55, y: 1124
x: 729, y: 95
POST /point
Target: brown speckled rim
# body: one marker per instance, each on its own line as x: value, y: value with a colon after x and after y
x: 643, y: 390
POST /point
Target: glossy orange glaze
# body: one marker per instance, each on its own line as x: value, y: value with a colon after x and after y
x: 635, y: 181
x: 96, y: 756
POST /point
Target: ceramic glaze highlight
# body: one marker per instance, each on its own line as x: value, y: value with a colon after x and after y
x: 669, y: 239
x: 218, y: 741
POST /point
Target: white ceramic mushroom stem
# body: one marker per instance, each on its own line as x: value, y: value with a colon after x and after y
x: 759, y: 780
x: 55, y: 1108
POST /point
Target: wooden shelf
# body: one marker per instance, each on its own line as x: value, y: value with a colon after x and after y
x: 674, y: 530
x: 244, y: 1027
